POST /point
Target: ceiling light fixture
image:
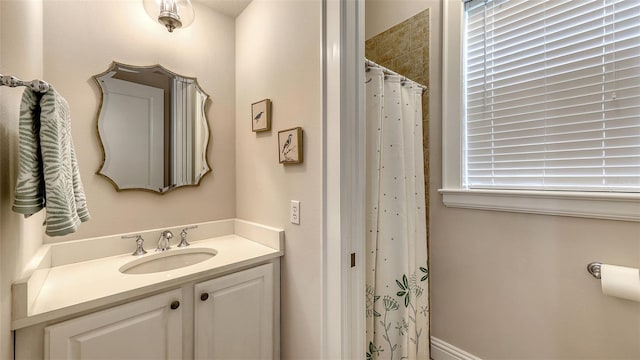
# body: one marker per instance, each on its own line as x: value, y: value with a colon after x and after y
x: 172, y: 14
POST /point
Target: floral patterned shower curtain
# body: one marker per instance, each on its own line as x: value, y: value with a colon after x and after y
x: 397, y: 272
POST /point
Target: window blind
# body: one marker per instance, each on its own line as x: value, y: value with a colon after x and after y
x: 552, y: 95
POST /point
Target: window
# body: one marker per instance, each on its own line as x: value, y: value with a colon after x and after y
x: 548, y: 97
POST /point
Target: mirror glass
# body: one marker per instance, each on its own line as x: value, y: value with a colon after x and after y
x: 153, y: 128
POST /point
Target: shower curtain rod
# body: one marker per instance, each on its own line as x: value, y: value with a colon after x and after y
x: 370, y: 63
x: 35, y: 85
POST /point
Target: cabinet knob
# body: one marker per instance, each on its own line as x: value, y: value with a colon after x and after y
x: 204, y: 296
x: 175, y: 304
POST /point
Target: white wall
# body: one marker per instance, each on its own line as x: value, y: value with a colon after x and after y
x: 81, y: 39
x: 21, y: 56
x: 278, y: 57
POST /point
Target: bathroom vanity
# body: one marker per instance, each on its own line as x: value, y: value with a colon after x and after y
x: 75, y: 304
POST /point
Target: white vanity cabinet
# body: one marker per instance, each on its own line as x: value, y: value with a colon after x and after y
x: 150, y: 328
x: 231, y: 316
x: 73, y: 303
x: 234, y: 315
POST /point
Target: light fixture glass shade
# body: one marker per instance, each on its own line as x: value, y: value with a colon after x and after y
x: 172, y: 14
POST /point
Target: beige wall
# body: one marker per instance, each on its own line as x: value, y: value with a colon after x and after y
x: 278, y: 57
x: 21, y: 56
x: 78, y: 39
x: 81, y: 39
x: 515, y: 286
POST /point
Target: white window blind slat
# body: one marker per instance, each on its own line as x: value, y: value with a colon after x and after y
x: 552, y: 95
x: 552, y: 36
x: 531, y: 152
x: 592, y: 163
x: 627, y: 60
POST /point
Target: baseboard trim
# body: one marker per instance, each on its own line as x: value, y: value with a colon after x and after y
x: 441, y: 350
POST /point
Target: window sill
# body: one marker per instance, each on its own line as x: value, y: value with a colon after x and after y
x: 625, y: 207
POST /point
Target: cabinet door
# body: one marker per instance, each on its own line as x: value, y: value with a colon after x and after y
x: 234, y: 316
x: 150, y: 328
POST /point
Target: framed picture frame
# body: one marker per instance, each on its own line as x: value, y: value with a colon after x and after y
x: 261, y: 115
x: 290, y: 146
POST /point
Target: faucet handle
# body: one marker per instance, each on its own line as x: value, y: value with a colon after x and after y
x: 139, y: 241
x: 183, y: 236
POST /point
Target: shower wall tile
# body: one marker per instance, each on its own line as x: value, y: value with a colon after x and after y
x: 419, y: 30
x: 392, y: 42
x: 404, y: 48
x: 370, y: 50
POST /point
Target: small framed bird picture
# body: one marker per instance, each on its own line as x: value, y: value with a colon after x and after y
x: 261, y: 115
x: 290, y: 146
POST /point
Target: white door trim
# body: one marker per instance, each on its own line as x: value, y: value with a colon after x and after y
x: 343, y: 331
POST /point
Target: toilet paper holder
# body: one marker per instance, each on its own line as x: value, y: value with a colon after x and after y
x: 595, y: 269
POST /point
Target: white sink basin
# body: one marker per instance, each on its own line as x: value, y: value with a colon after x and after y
x: 167, y: 260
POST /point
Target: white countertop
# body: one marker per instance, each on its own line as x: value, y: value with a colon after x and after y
x: 80, y: 286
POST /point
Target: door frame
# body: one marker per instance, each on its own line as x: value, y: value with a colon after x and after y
x: 343, y: 164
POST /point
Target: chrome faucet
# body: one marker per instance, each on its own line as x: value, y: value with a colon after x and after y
x: 183, y: 236
x: 163, y: 242
x: 139, y: 242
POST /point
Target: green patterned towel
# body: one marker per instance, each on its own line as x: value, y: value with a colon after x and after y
x: 48, y: 173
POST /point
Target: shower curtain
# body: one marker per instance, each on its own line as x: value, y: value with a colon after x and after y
x: 397, y: 309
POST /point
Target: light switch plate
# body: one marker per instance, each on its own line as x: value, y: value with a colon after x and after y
x: 294, y: 213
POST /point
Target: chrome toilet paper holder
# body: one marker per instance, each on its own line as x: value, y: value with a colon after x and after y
x: 595, y: 269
